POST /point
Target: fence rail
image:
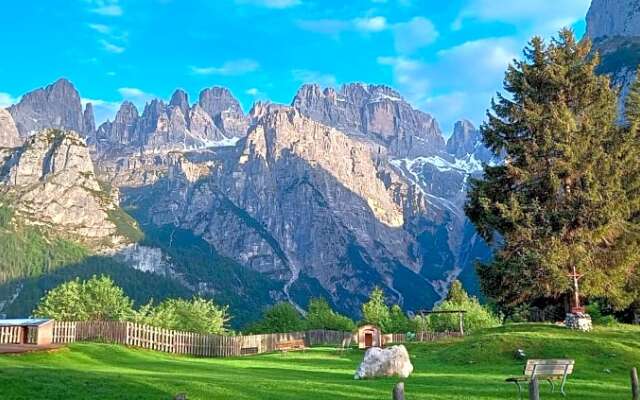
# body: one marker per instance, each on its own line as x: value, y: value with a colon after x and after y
x: 204, y: 345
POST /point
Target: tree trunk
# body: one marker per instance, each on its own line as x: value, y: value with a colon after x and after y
x: 635, y: 392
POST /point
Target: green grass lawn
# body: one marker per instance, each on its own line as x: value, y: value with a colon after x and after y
x: 470, y: 368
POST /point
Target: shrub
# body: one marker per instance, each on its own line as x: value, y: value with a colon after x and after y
x: 196, y: 315
x: 282, y: 317
x: 597, y: 312
x: 321, y: 316
x: 375, y: 311
x: 95, y: 299
x: 476, y: 317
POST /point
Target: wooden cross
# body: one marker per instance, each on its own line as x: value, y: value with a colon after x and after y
x: 575, y: 276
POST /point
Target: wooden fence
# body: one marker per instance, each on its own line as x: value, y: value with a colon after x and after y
x: 10, y: 334
x: 206, y: 345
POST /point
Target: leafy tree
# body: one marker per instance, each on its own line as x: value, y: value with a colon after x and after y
x: 195, y: 315
x: 563, y: 197
x: 398, y: 320
x: 321, y: 316
x: 476, y: 317
x: 95, y: 299
x: 375, y: 311
x: 457, y: 294
x: 282, y: 317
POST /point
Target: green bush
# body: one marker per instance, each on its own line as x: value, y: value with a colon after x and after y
x: 195, y: 315
x: 321, y: 316
x: 375, y: 311
x: 282, y: 317
x: 476, y: 317
x: 598, y: 316
x: 95, y: 299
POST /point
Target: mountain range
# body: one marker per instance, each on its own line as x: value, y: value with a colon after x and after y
x: 343, y: 190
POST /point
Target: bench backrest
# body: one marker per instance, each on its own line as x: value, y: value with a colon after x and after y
x: 549, y: 367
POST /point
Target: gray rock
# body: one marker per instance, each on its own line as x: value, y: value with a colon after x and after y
x: 380, y: 363
x: 9, y: 136
x: 611, y: 18
x: 376, y: 112
x: 55, y: 106
x: 180, y: 99
x: 52, y: 180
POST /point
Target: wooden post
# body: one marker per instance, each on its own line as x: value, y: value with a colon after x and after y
x: 461, y: 315
x: 635, y: 392
x: 398, y: 391
x: 534, y: 391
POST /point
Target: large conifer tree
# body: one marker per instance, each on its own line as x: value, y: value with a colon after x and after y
x: 567, y: 193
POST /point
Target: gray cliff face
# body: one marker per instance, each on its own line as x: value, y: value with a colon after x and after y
x: 344, y: 191
x: 9, y: 136
x: 466, y: 142
x: 224, y: 110
x: 304, y: 204
x: 52, y: 183
x: 611, y: 18
x: 614, y: 28
x: 376, y: 112
x: 133, y: 149
x: 55, y: 106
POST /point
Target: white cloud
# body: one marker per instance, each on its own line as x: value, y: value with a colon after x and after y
x: 414, y: 34
x: 252, y: 91
x: 229, y: 68
x: 372, y: 24
x: 111, y: 48
x: 410, y: 75
x: 335, y: 27
x: 113, y: 10
x: 106, y: 8
x: 131, y: 92
x: 543, y: 17
x: 459, y: 83
x: 102, y: 109
x: 277, y: 4
x: 309, y: 76
x: 6, y: 100
x: 101, y: 28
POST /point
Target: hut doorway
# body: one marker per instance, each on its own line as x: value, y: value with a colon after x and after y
x: 368, y: 339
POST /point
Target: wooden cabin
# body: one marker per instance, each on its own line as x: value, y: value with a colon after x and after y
x: 369, y: 336
x: 38, y: 332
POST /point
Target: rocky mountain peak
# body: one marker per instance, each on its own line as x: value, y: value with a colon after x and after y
x: 89, y: 120
x: 464, y: 140
x: 127, y: 113
x: 216, y: 100
x: 180, y: 99
x: 55, y: 106
x: 376, y: 112
x: 9, y: 136
x: 612, y: 18
x: 52, y: 179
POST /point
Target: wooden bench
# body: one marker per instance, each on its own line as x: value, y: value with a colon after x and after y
x: 548, y: 370
x: 289, y: 345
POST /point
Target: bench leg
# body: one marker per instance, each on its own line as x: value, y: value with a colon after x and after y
x: 562, y: 387
x: 519, y: 390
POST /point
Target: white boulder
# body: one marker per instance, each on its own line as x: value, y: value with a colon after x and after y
x: 392, y: 361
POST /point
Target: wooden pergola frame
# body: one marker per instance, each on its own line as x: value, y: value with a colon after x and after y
x: 460, y: 313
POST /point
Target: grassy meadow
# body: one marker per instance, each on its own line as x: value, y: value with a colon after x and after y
x: 471, y: 368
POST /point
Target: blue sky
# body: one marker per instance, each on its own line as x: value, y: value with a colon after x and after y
x: 447, y: 57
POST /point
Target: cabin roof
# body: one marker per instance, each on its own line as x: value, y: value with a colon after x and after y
x: 25, y: 322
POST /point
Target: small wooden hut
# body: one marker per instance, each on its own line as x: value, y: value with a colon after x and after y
x: 37, y: 332
x: 369, y: 336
